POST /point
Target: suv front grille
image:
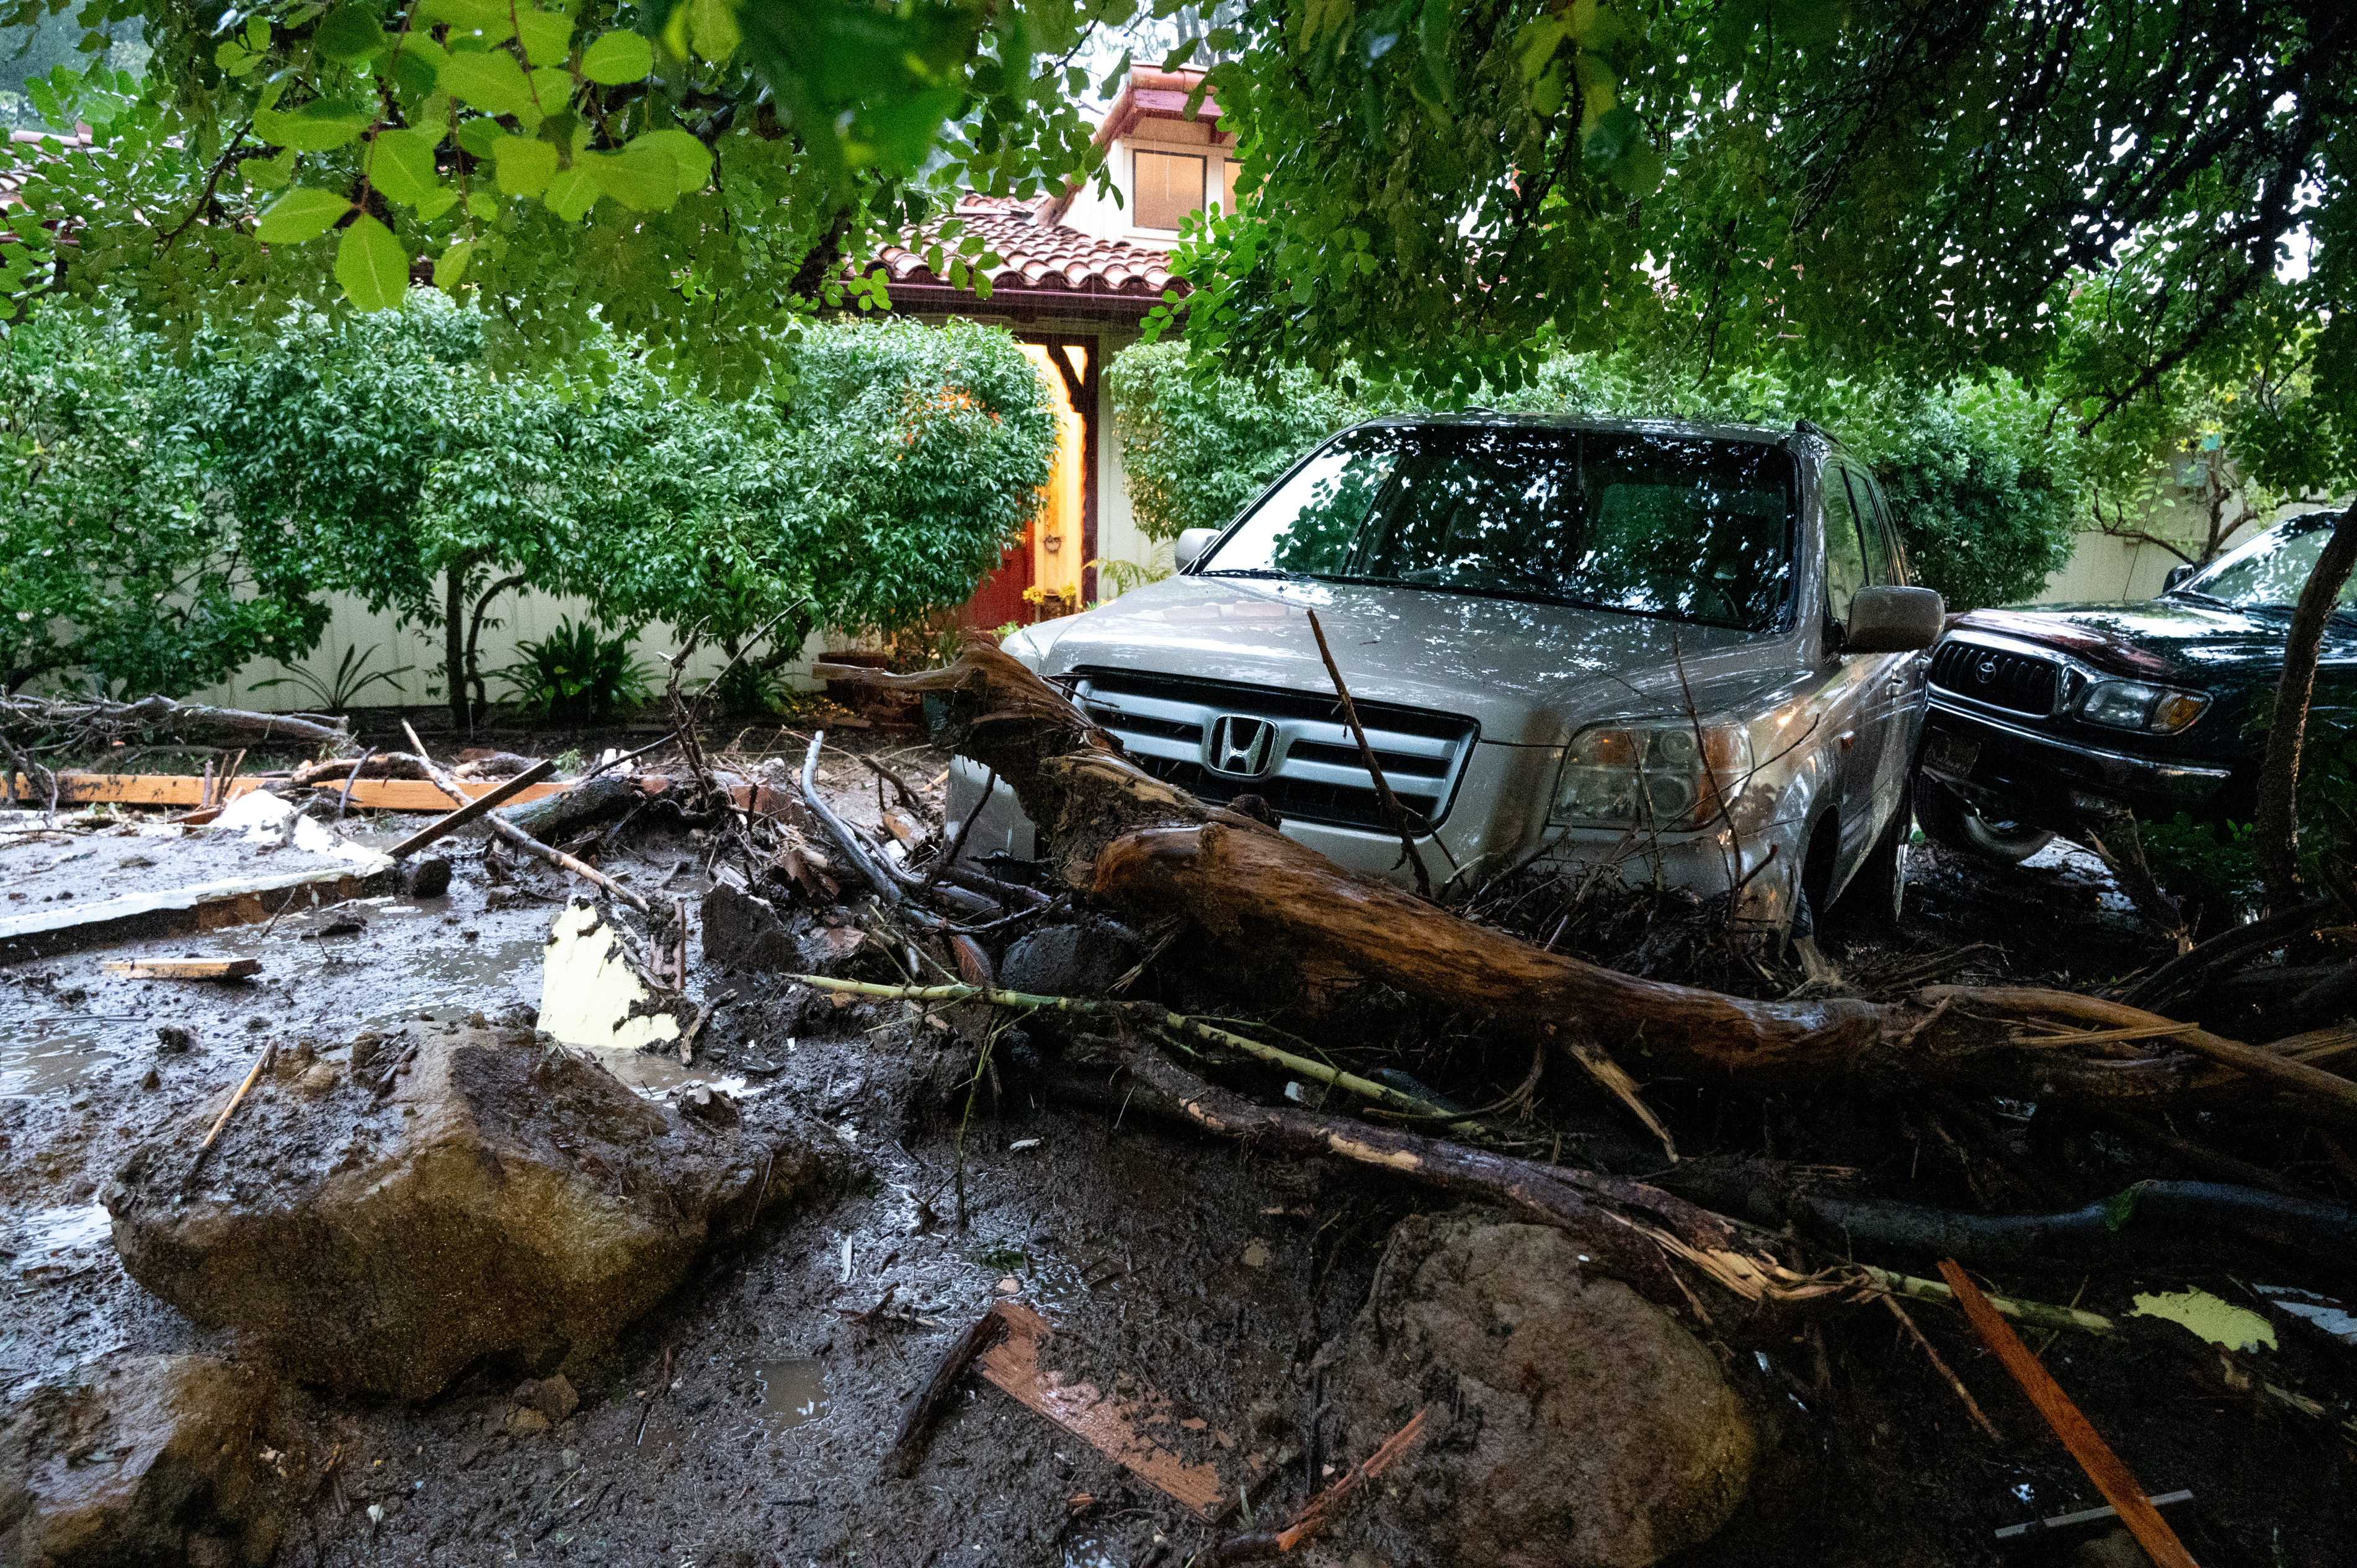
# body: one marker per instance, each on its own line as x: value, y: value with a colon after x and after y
x: 1310, y: 770
x: 1998, y: 677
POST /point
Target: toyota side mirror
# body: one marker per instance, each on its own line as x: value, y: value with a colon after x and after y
x: 2177, y: 577
x: 1893, y: 620
x: 1191, y: 543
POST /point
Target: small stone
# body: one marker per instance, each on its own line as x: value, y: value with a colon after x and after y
x: 426, y: 878
x: 256, y: 1024
x: 152, y: 1079
x: 704, y: 1103
x: 1009, y: 1285
x: 554, y: 1397
x: 570, y: 1459
x: 527, y: 1421
x: 319, y: 1081
x: 171, y: 1040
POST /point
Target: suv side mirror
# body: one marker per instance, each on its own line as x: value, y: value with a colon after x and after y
x: 1191, y: 543
x: 1893, y: 620
x: 2177, y: 577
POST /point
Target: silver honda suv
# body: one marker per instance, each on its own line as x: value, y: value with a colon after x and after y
x: 1686, y: 654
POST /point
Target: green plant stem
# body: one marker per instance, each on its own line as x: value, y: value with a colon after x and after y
x: 1159, y: 1016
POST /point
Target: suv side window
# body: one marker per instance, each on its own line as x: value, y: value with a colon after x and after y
x: 1883, y: 563
x: 1845, y: 560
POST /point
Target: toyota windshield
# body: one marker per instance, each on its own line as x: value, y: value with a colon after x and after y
x: 1687, y: 527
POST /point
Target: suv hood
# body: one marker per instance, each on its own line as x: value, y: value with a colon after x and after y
x: 1528, y: 672
x: 2180, y: 639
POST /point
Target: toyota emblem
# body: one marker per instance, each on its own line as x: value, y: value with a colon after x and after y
x: 1986, y: 669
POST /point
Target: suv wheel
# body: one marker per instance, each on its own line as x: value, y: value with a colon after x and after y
x: 1951, y: 821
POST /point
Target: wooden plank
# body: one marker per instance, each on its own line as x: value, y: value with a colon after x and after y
x: 475, y: 808
x: 188, y: 789
x: 1109, y: 1425
x: 187, y: 968
x: 2120, y: 1489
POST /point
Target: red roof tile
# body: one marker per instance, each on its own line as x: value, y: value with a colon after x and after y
x: 1036, y: 261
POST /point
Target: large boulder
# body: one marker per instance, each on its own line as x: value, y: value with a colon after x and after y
x: 153, y: 1461
x: 1573, y: 1425
x: 495, y: 1196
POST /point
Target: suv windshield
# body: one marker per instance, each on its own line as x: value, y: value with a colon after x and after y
x: 2270, y: 571
x: 1691, y: 527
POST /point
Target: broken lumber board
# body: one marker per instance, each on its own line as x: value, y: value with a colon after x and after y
x: 186, y: 910
x: 508, y: 791
x: 2113, y: 1478
x: 188, y: 789
x: 1108, y: 1425
x: 186, y: 968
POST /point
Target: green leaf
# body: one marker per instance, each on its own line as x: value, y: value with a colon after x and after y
x: 690, y: 157
x: 432, y: 206
x: 351, y: 33
x: 489, y: 80
x: 403, y: 166
x: 234, y: 57
x: 615, y: 58
x: 644, y: 179
x: 313, y: 128
x: 371, y: 266
x: 480, y: 137
x: 708, y: 26
x: 300, y: 215
x: 525, y: 165
x: 268, y: 174
x: 482, y: 205
x: 487, y: 19
x: 417, y: 69
x: 546, y: 35
x: 452, y: 265
x: 571, y: 192
x: 2121, y: 1207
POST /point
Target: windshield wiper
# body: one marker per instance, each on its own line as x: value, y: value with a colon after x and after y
x: 1248, y: 572
x: 2205, y: 598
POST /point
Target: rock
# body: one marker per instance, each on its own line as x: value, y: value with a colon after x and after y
x: 742, y: 931
x: 428, y: 877
x: 153, y: 1461
x: 825, y: 949
x: 318, y: 1081
x: 527, y: 1421
x: 553, y: 1396
x: 171, y: 1040
x: 1066, y: 960
x: 500, y: 1198
x: 150, y: 1079
x: 1574, y: 1423
x: 707, y: 1104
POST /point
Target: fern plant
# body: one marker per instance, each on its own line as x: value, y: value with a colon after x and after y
x: 575, y: 676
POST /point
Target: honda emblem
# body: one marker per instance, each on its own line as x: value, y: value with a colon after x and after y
x: 1239, y: 746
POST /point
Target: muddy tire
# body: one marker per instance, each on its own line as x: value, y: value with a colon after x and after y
x: 1951, y: 823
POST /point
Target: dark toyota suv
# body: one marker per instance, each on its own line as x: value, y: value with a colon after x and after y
x: 2056, y: 720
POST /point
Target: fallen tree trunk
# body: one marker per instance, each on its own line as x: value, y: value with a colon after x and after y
x: 1116, y: 833
x: 114, y: 719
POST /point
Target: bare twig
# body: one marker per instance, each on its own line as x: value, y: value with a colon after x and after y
x: 1391, y: 802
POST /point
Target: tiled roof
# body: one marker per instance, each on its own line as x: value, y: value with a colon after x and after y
x: 1036, y: 261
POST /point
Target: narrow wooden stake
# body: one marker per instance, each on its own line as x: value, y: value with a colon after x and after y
x: 524, y: 841
x: 269, y: 1054
x: 924, y: 1407
x: 2111, y: 1478
x: 1954, y: 1381
x: 1391, y: 807
x: 444, y: 826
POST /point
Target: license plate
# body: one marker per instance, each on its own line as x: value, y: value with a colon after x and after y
x: 1952, y: 754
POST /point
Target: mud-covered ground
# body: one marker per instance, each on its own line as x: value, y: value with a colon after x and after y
x: 742, y: 1421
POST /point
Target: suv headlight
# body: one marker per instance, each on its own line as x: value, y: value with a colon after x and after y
x: 1674, y: 775
x: 2132, y: 704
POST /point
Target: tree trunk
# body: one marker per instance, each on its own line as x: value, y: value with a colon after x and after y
x: 1116, y: 834
x: 2279, y: 823
x: 454, y: 643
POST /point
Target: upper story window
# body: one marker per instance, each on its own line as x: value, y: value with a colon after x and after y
x: 1169, y: 187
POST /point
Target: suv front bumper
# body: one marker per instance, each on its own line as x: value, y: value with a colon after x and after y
x: 2013, y: 774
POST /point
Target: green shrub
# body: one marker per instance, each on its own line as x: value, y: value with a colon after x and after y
x: 1197, y: 447
x: 576, y: 676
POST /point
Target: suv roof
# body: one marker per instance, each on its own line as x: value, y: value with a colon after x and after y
x: 1799, y: 436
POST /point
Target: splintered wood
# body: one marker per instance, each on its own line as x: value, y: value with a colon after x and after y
x: 1111, y: 1426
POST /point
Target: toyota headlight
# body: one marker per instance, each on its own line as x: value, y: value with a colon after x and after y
x: 1674, y: 775
x: 2134, y: 705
